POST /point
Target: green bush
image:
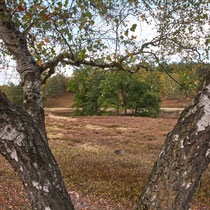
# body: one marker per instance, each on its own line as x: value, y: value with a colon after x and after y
x: 96, y: 91
x: 87, y: 87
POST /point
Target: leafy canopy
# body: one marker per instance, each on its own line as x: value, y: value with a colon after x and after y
x: 97, y: 91
x: 105, y: 33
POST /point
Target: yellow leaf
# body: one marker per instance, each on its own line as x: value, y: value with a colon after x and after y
x: 28, y: 17
x: 39, y: 62
x: 108, y: 58
x: 130, y: 54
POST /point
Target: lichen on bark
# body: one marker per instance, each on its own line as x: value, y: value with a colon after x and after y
x: 183, y: 159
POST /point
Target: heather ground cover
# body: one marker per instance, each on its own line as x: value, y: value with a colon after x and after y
x: 105, y: 161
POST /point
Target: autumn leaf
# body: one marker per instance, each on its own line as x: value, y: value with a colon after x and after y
x: 46, y: 17
x: 130, y: 55
x: 41, y: 43
x: 27, y: 17
x: 108, y: 58
x: 47, y: 40
x: 39, y: 62
x: 20, y: 8
x: 126, y: 33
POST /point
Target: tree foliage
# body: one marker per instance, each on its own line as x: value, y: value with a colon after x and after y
x: 103, y: 33
x: 14, y: 93
x: 189, y: 77
x: 96, y: 91
x: 41, y: 35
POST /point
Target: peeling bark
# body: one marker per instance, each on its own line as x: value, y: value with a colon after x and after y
x: 23, y: 139
x: 183, y: 159
x: 25, y: 148
x: 26, y: 66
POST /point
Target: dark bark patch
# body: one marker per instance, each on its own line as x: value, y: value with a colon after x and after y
x: 34, y: 98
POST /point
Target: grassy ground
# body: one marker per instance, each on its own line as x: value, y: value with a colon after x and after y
x: 102, y: 158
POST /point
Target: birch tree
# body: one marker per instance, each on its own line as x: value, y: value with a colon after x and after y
x: 44, y: 35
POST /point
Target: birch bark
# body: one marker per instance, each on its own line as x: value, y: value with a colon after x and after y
x: 183, y: 159
x: 25, y: 148
x: 29, y: 71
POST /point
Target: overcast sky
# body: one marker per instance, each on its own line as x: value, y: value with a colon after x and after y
x: 8, y: 75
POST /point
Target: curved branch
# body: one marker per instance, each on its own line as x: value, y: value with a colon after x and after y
x: 51, y: 66
x: 158, y: 61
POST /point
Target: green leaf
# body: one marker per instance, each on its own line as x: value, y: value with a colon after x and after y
x: 59, y: 4
x: 116, y: 21
x: 133, y: 28
x: 207, y: 42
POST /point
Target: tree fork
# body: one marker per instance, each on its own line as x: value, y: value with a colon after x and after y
x: 183, y: 159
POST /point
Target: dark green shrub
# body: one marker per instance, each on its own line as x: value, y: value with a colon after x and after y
x: 87, y: 87
x: 96, y: 91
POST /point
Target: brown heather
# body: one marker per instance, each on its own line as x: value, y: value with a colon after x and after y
x: 84, y: 148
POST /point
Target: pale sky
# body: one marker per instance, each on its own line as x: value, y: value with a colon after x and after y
x: 9, y: 75
x: 143, y: 31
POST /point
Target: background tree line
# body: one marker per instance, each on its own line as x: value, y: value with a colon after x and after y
x: 96, y: 91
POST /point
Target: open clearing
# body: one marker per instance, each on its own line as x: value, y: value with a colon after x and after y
x: 97, y: 175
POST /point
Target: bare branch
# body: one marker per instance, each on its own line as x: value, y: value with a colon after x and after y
x: 165, y: 70
x: 70, y: 49
x: 48, y: 75
x: 51, y: 66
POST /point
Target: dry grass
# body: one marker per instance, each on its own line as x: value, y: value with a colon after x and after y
x: 85, y: 149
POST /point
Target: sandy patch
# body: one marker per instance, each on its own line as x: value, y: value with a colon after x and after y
x: 55, y: 136
x: 122, y: 129
x: 91, y: 147
x: 94, y: 127
x: 62, y: 118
